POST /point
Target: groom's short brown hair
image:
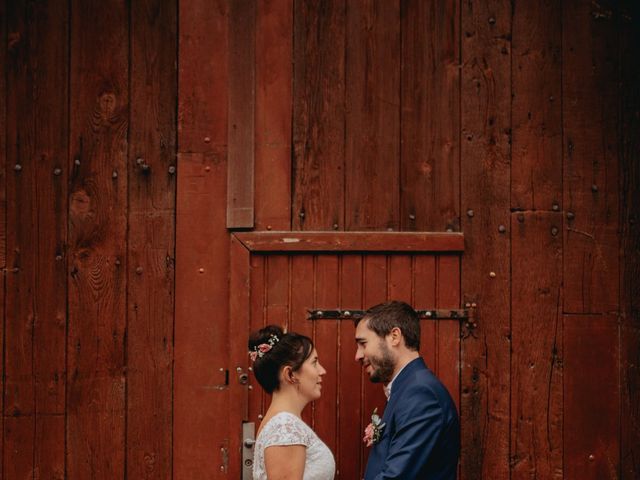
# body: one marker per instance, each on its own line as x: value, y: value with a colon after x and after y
x: 384, y: 317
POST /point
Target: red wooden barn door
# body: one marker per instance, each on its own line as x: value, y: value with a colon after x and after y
x: 277, y: 278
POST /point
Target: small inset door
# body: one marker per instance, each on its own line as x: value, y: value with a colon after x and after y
x: 279, y: 278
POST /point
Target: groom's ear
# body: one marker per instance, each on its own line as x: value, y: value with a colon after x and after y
x: 396, y: 336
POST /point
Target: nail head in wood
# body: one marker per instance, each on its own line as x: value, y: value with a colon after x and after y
x: 412, y: 216
x: 571, y: 215
x: 470, y: 213
x: 555, y: 207
x: 492, y: 21
x: 207, y: 139
x: 139, y: 270
x: 172, y: 169
x: 114, y: 174
x: 57, y: 171
x: 502, y: 229
x: 594, y: 188
x: 18, y: 167
x: 492, y: 274
x: 554, y: 231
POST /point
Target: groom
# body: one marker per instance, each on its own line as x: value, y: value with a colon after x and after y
x: 419, y: 435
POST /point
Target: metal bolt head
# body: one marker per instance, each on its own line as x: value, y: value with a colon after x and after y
x: 492, y: 21
x: 301, y: 214
x: 18, y: 167
x: 412, y: 216
x: 551, y: 98
x: 470, y: 213
x: 57, y: 171
x: 467, y: 305
x: 335, y: 226
x: 77, y: 161
x: 117, y: 262
x: 139, y: 270
x: 555, y: 207
x: 139, y: 161
x: 58, y: 258
x: 172, y: 169
x: 554, y: 231
x: 492, y: 274
x: 594, y: 188
x: 207, y: 168
x: 114, y: 174
x: 146, y: 167
x: 201, y: 270
x: 474, y: 305
x: 571, y: 215
x: 502, y: 228
x: 207, y: 139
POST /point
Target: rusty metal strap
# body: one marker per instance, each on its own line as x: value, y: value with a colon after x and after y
x: 432, y: 314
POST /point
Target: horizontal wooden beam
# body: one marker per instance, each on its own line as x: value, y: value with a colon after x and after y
x: 351, y: 241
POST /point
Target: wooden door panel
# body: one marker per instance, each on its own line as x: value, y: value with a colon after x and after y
x: 283, y: 284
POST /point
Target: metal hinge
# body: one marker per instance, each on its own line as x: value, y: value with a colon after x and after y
x: 431, y: 314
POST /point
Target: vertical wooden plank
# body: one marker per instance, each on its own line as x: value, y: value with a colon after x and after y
x: 590, y: 58
x: 239, y: 311
x: 277, y: 290
x: 536, y: 178
x: 203, y: 74
x: 201, y: 333
x: 424, y: 294
x: 302, y: 298
x: 448, y: 331
x: 536, y: 363
x: 4, y: 169
x: 151, y: 249
x: 274, y: 45
x: 97, y: 240
x: 18, y: 453
x: 350, y: 427
x: 630, y: 231
x: 21, y: 245
x: 375, y: 291
x: 257, y: 286
x: 326, y: 340
x: 50, y: 453
x: 401, y: 278
x: 51, y: 120
x: 485, y: 178
x: 319, y: 115
x: 38, y: 146
x: 430, y: 117
x: 201, y: 322
x: 591, y: 397
x: 241, y: 125
x: 372, y: 197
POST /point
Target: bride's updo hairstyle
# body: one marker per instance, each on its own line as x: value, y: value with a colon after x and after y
x: 272, y: 350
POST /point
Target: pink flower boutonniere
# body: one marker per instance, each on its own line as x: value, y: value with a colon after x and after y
x: 373, y: 432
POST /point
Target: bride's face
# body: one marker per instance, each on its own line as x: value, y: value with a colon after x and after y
x: 309, y: 377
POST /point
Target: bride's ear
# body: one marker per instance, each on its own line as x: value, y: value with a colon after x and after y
x: 287, y: 374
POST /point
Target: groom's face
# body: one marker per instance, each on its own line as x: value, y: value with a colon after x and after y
x: 373, y: 353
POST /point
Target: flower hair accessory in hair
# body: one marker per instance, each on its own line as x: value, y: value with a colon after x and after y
x: 260, y: 350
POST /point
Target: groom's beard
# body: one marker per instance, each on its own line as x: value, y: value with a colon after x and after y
x: 383, y: 366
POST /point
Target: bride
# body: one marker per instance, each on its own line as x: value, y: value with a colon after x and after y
x: 286, y: 365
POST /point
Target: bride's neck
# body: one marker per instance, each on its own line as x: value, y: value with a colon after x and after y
x: 287, y: 401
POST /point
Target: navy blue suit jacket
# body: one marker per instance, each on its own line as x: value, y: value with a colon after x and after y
x: 421, y: 438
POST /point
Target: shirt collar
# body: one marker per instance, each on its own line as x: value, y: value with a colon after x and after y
x: 387, y: 387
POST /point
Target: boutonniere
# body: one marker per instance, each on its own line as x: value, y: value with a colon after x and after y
x: 373, y: 432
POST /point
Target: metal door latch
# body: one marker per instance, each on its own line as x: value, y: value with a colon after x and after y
x: 248, y: 441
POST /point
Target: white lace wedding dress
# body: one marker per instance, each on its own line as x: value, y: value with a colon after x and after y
x: 286, y: 429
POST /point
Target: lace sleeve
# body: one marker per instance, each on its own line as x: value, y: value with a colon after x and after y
x: 285, y: 429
